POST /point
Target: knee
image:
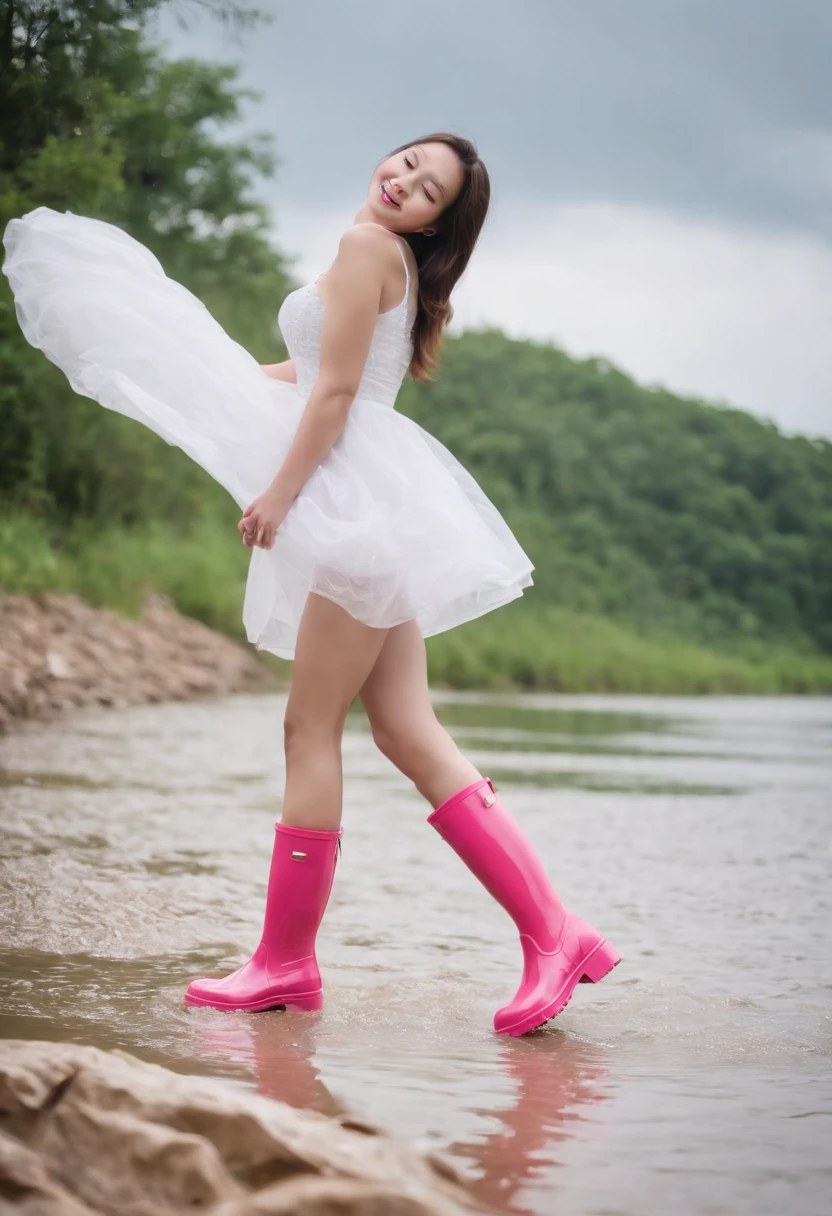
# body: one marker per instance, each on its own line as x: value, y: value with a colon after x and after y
x: 302, y: 732
x: 405, y: 744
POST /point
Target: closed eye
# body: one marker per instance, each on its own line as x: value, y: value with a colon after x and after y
x: 427, y: 196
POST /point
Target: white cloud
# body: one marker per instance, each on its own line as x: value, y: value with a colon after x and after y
x: 726, y: 314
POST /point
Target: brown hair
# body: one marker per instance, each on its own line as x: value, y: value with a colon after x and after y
x: 442, y: 258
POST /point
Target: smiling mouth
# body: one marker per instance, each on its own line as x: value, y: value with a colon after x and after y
x: 388, y: 199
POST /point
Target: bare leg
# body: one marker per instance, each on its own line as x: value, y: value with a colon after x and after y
x: 333, y: 656
x: 405, y: 728
x: 559, y: 949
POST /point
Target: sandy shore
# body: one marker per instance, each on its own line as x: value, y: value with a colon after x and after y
x: 57, y: 652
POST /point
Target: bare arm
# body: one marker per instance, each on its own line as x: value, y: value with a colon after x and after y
x: 354, y: 286
x: 281, y: 371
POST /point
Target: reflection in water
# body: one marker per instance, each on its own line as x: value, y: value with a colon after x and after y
x: 528, y: 712
x: 274, y: 1050
x: 557, y: 1079
x: 619, y: 783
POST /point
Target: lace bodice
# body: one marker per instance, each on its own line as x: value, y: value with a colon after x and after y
x: 301, y: 319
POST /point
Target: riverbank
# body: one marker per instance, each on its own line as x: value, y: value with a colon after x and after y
x: 553, y: 649
x: 531, y: 643
x: 57, y: 652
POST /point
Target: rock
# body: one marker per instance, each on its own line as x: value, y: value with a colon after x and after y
x: 84, y: 1131
x: 57, y: 652
x: 57, y: 665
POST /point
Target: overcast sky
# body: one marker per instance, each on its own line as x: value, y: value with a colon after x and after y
x: 661, y: 169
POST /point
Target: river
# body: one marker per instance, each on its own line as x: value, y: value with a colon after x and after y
x: 696, y: 1078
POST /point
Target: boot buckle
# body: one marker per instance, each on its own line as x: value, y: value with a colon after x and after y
x: 489, y: 799
x: 298, y: 856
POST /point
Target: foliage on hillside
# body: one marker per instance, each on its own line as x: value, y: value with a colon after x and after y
x: 677, y: 515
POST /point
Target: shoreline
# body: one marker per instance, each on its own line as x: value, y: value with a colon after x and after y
x: 529, y: 645
x: 58, y: 652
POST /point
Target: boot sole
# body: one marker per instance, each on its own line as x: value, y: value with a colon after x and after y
x: 305, y: 1001
x: 598, y: 963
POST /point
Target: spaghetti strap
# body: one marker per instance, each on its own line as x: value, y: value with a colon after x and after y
x: 406, y: 267
x: 405, y: 301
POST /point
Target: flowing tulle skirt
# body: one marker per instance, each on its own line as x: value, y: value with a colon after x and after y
x: 390, y: 525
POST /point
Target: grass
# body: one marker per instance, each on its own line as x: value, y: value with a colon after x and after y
x: 522, y: 645
x: 203, y: 571
x: 547, y: 647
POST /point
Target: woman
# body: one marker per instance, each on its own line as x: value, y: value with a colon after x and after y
x: 367, y: 534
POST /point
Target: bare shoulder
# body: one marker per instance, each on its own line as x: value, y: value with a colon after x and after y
x: 368, y: 240
x: 367, y: 267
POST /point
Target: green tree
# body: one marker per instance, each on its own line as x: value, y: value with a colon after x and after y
x: 670, y: 513
x: 94, y: 120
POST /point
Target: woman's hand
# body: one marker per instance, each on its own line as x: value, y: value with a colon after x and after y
x: 261, y: 519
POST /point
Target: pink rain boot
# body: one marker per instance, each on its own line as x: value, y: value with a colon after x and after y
x: 559, y: 950
x: 283, y: 971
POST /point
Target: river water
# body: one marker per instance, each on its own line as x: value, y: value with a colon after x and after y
x: 696, y: 1078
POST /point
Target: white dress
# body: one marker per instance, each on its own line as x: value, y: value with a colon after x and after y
x: 390, y: 525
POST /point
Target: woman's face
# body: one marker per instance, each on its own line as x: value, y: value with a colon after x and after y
x: 421, y: 181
